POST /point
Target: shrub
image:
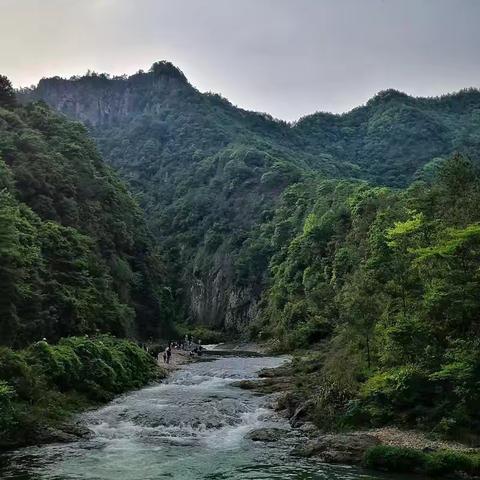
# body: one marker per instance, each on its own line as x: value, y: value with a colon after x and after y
x: 307, y: 333
x: 394, y: 459
x: 206, y: 335
x: 445, y: 462
x: 15, y: 370
x: 44, y: 383
x: 58, y: 364
x: 6, y: 410
x: 405, y: 390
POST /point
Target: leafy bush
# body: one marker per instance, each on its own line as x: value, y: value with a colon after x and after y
x: 446, y: 462
x: 394, y: 459
x: 396, y: 390
x: 19, y: 374
x: 46, y: 382
x: 61, y: 366
x: 408, y: 460
x: 6, y: 409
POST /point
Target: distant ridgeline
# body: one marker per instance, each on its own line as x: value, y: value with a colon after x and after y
x: 209, y: 175
x: 75, y: 254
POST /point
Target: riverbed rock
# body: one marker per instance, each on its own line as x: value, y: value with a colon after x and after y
x: 52, y: 435
x: 264, y: 386
x: 65, y: 433
x: 337, y: 448
x: 309, y: 429
x: 247, y: 384
x: 267, y: 434
x: 301, y: 414
x: 281, y: 371
x: 76, y: 429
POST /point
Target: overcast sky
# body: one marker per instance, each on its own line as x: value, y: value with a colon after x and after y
x: 285, y: 57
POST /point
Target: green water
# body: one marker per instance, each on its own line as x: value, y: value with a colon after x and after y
x: 194, y: 426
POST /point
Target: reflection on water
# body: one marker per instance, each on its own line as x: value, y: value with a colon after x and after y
x: 192, y: 426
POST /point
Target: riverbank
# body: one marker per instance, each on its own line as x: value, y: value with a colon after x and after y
x: 387, y: 448
x: 43, y: 386
x: 196, y: 424
x: 178, y: 358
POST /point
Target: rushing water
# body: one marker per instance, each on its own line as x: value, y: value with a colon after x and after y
x: 192, y: 426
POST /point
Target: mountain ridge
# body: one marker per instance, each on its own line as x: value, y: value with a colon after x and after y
x: 166, y: 68
x: 207, y: 173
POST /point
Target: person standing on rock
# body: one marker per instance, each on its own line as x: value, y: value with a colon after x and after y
x: 169, y: 353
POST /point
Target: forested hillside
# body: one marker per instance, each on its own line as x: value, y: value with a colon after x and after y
x: 383, y: 286
x: 393, y: 136
x: 354, y: 238
x: 208, y: 173
x: 76, y: 255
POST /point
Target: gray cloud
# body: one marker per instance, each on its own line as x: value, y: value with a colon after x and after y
x: 285, y: 57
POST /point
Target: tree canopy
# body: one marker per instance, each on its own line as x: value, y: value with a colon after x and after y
x: 76, y: 255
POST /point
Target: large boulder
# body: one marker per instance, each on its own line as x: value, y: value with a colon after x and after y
x: 65, y: 433
x: 302, y: 413
x: 338, y: 448
x: 267, y: 434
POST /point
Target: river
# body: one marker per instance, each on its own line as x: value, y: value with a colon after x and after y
x: 192, y: 426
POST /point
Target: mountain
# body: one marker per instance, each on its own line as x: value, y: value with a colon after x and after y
x: 376, y: 289
x: 208, y: 173
x: 76, y: 254
x: 352, y: 240
x: 394, y: 136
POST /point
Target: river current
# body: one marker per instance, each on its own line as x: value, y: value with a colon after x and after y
x: 193, y: 426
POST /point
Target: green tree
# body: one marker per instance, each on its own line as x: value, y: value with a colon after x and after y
x: 7, y: 93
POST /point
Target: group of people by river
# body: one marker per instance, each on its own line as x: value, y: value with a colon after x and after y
x: 185, y: 345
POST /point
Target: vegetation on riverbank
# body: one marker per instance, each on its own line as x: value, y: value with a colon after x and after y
x: 42, y: 385
x: 208, y: 173
x: 379, y: 287
x: 408, y: 460
x: 376, y: 286
x: 201, y: 334
x: 76, y: 256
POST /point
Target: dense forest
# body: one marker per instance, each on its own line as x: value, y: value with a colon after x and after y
x: 382, y: 286
x: 77, y: 262
x: 208, y: 173
x: 76, y: 255
x: 353, y: 239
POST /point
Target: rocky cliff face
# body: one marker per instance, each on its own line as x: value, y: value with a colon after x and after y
x: 100, y: 101
x: 215, y: 300
x: 75, y: 100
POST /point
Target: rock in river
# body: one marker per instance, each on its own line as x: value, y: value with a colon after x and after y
x: 266, y: 434
x: 338, y: 448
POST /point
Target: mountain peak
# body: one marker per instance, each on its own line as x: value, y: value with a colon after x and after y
x: 387, y: 95
x: 165, y: 68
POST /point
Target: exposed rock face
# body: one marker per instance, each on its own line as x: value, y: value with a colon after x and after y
x: 63, y: 434
x: 301, y: 413
x: 41, y: 434
x: 338, y: 448
x: 100, y: 101
x: 216, y: 301
x: 78, y: 103
x: 242, y: 308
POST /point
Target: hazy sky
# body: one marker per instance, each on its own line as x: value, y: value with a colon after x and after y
x: 284, y: 57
